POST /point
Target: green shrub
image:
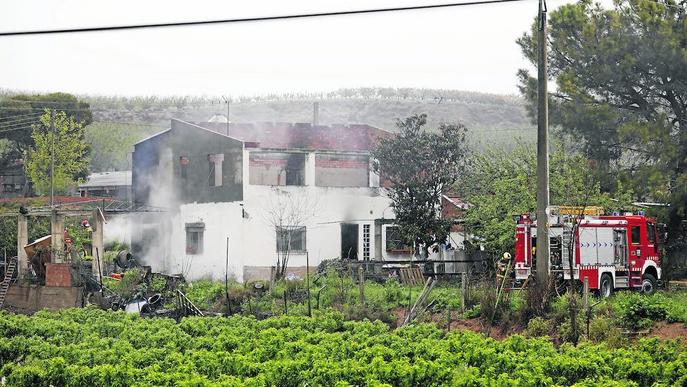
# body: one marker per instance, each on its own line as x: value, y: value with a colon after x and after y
x: 538, y: 326
x: 603, y: 329
x: 637, y: 311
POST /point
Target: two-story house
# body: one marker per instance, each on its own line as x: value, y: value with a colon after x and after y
x: 243, y: 196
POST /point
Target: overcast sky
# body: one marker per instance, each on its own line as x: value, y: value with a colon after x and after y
x: 465, y: 48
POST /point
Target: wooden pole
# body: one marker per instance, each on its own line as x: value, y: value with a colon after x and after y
x: 307, y: 281
x: 361, y: 284
x: 463, y: 291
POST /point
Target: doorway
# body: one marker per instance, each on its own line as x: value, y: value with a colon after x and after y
x: 349, y: 241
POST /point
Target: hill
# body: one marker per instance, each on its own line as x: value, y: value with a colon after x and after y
x: 119, y: 122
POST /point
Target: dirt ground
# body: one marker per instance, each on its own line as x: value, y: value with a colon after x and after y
x: 669, y: 331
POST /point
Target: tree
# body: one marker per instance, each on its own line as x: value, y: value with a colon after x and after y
x: 19, y: 112
x: 418, y: 166
x: 500, y: 183
x: 288, y: 215
x: 621, y: 89
x: 70, y: 153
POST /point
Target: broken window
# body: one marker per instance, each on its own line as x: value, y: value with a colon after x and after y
x: 290, y: 239
x: 341, y: 170
x: 394, y: 242
x: 194, y: 238
x: 183, y: 167
x: 276, y: 168
x: 215, y: 172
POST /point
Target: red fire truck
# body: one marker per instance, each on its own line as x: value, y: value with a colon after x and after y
x: 611, y: 251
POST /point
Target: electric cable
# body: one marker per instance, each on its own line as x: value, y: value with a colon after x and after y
x: 252, y: 19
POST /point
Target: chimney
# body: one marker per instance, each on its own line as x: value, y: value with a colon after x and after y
x: 315, y: 113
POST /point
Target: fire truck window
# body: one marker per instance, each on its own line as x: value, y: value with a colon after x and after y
x: 651, y: 233
x: 635, y: 235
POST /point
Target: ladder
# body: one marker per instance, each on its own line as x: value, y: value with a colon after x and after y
x: 9, y: 273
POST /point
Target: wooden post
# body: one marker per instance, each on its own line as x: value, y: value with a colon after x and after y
x: 286, y: 306
x: 307, y: 281
x: 448, y: 318
x: 587, y: 307
x: 463, y: 291
x: 361, y: 284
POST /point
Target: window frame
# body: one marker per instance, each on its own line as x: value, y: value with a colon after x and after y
x: 197, y: 230
x: 291, y: 229
x: 632, y: 235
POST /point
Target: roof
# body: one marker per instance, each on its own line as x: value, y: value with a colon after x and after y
x: 108, y: 179
x: 283, y: 135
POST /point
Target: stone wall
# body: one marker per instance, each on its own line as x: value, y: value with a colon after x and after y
x: 32, y: 298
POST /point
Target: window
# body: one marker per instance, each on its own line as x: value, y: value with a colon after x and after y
x: 635, y: 235
x: 394, y: 243
x: 215, y: 172
x: 651, y: 233
x: 290, y: 239
x: 183, y: 167
x: 194, y: 238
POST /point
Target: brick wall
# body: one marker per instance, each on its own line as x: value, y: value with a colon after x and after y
x: 58, y: 274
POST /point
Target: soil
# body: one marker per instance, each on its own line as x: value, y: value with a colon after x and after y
x: 669, y: 331
x: 477, y: 325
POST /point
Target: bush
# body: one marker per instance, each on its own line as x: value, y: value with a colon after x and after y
x: 638, y: 311
x: 603, y: 329
x: 538, y: 326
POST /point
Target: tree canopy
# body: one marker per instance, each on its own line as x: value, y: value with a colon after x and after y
x: 417, y: 166
x: 501, y: 183
x: 19, y: 112
x: 70, y: 153
x: 621, y: 77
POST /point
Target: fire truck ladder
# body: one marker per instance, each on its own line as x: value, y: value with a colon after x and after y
x: 9, y: 272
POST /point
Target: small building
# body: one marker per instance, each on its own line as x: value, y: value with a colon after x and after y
x: 13, y: 181
x: 115, y: 184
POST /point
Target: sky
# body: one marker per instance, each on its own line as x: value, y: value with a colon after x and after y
x: 464, y: 48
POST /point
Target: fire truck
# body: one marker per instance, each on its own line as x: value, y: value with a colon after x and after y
x: 618, y: 251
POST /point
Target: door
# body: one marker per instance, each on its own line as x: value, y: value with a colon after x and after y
x: 349, y: 241
x: 620, y: 247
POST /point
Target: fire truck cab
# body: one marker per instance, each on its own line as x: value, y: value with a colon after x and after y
x: 610, y: 251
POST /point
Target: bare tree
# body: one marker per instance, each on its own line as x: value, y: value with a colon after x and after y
x: 288, y: 213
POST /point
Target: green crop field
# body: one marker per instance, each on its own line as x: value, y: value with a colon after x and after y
x: 89, y: 347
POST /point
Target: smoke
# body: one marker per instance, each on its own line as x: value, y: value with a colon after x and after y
x: 118, y: 229
x: 151, y: 231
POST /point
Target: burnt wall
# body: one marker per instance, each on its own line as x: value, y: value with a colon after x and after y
x: 188, y: 164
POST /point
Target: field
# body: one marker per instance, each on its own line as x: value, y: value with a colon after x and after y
x: 89, y: 347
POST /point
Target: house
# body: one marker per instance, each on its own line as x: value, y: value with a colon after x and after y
x: 242, y: 196
x: 13, y: 181
x: 115, y: 184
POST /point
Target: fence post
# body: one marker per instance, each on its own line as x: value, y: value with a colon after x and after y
x: 361, y: 284
x: 463, y: 291
x: 587, y: 308
x: 286, y: 307
x: 448, y: 318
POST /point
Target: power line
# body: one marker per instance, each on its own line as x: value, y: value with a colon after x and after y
x: 253, y: 19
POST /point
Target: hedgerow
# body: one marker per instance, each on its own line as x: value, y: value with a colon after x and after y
x: 102, y: 348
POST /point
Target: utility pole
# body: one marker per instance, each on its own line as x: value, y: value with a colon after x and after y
x: 52, y: 156
x: 227, y: 101
x: 542, y: 249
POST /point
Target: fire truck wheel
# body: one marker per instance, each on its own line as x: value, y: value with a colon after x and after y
x: 649, y: 284
x: 606, y: 285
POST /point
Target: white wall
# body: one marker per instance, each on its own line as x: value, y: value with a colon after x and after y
x: 328, y: 207
x: 221, y: 220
